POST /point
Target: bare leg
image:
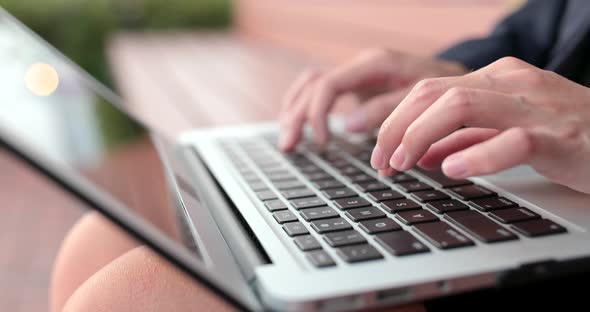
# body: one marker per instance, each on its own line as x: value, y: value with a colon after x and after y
x: 99, y: 268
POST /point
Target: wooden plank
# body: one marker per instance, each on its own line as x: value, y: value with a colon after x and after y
x: 336, y: 31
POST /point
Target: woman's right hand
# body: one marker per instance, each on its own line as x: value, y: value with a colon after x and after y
x: 312, y: 96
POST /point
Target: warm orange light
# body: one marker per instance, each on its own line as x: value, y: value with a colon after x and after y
x: 42, y: 79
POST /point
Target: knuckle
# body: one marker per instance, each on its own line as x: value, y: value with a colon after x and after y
x: 511, y: 62
x: 426, y: 87
x: 459, y: 100
x: 533, y: 77
x: 526, y: 140
x: 573, y: 132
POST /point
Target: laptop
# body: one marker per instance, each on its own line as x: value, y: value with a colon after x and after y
x: 313, y: 230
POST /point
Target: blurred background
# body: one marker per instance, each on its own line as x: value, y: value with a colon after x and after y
x: 198, y: 63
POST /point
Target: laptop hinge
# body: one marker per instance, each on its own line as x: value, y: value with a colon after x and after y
x: 240, y: 239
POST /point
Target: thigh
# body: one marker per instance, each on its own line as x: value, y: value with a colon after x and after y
x: 142, y: 281
x: 92, y: 243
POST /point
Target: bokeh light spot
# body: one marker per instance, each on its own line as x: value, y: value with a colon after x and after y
x: 42, y: 79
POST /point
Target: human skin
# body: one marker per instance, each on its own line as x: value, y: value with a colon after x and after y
x: 100, y: 268
x: 503, y: 115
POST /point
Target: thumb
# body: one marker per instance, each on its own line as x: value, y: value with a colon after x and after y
x: 372, y: 113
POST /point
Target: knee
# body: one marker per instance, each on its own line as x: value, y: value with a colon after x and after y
x: 92, y: 243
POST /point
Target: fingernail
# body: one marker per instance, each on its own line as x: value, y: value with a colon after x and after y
x: 357, y: 120
x: 284, y: 141
x: 386, y: 172
x: 398, y: 158
x: 455, y: 167
x: 377, y: 159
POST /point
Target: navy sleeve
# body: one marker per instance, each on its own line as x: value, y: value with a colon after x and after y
x: 528, y: 34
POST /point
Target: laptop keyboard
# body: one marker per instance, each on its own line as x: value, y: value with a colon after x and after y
x: 329, y: 191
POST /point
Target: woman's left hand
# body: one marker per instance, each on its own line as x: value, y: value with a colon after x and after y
x: 513, y: 113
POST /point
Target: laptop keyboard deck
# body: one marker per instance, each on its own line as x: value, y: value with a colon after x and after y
x: 327, y: 191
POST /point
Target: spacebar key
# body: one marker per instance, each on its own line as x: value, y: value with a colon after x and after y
x: 480, y: 226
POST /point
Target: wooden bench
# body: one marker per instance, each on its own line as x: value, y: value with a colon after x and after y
x: 195, y: 79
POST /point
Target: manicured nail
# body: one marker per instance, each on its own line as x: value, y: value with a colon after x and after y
x: 455, y: 167
x: 377, y: 159
x: 398, y: 158
x: 357, y: 120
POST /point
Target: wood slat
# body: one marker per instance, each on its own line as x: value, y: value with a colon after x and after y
x: 336, y: 31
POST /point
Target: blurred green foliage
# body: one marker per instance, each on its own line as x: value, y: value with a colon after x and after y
x: 80, y: 28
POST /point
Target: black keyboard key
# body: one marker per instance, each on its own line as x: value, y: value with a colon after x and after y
x: 307, y: 242
x: 275, y: 205
x: 444, y: 206
x: 361, y: 177
x: 340, y: 193
x: 307, y: 202
x: 266, y: 195
x: 379, y: 225
x: 395, y: 206
x: 327, y: 184
x: 339, y: 163
x: 330, y: 225
x: 318, y: 213
x: 512, y: 215
x: 320, y: 259
x: 297, y: 193
x: 289, y: 184
x: 441, y: 180
x: 492, y: 203
x: 284, y: 216
x: 344, y: 238
x: 402, y: 177
x: 414, y: 186
x: 354, y: 202
x: 416, y: 216
x: 349, y: 170
x: 366, y: 213
x: 258, y: 186
x: 309, y: 168
x: 372, y: 186
x: 401, y: 243
x: 295, y: 228
x: 469, y: 192
x: 538, y: 227
x: 380, y: 196
x: 318, y: 176
x: 358, y: 253
x: 480, y: 226
x: 428, y: 196
x: 442, y: 235
x: 280, y: 176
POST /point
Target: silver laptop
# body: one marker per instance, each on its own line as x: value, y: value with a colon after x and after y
x: 306, y: 231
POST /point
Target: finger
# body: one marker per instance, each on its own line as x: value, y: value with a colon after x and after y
x: 457, y: 141
x: 387, y: 172
x: 368, y: 71
x: 456, y: 108
x: 503, y: 65
x: 422, y: 96
x: 292, y: 94
x: 372, y: 113
x: 508, y: 149
x: 292, y: 124
x: 291, y: 117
